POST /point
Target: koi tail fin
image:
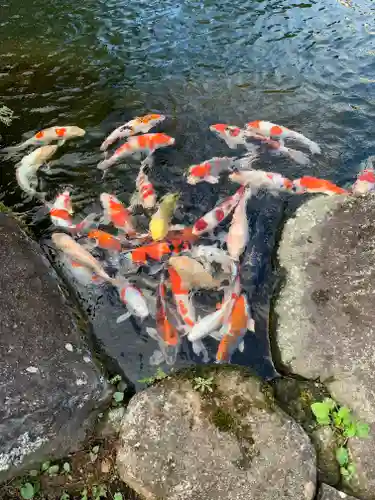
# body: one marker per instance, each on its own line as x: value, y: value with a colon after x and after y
x: 314, y: 147
x: 297, y: 156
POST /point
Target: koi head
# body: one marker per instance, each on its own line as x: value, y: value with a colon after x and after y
x: 255, y: 125
x: 64, y: 202
x: 161, y: 140
x: 200, y: 170
x: 224, y: 130
x: 151, y: 118
x: 367, y: 175
x: 76, y: 131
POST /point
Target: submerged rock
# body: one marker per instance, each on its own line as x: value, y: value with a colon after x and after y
x: 325, y: 310
x: 233, y: 443
x: 328, y: 493
x: 49, y: 388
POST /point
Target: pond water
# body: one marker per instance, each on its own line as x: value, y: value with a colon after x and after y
x: 96, y: 64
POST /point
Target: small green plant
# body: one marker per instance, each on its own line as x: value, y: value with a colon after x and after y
x: 94, y: 453
x: 84, y: 494
x: 344, y: 425
x: 66, y: 467
x: 27, y: 491
x: 159, y: 375
x: 118, y: 396
x: 99, y: 492
x: 203, y: 384
x: 118, y: 496
x: 65, y: 496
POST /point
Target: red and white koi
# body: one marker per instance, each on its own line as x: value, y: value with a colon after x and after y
x: 166, y: 333
x: 77, y: 253
x: 62, y: 210
x: 105, y: 240
x: 366, y: 178
x: 309, y: 184
x: 26, y: 169
x: 146, y: 191
x: 116, y: 213
x: 156, y: 252
x: 132, y: 297
x: 81, y: 273
x: 279, y: 132
x: 238, y: 234
x: 209, y: 171
x: 48, y: 135
x: 213, y: 218
x: 138, y: 125
x: 239, y: 322
x: 147, y: 143
x: 181, y: 297
x: 257, y: 179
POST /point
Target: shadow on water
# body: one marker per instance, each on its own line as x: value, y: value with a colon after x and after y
x: 97, y: 64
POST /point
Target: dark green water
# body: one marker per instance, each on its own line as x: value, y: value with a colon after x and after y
x: 98, y: 63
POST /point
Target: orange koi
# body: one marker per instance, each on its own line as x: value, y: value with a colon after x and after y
x: 181, y: 297
x: 147, y: 143
x: 208, y: 171
x: 105, y: 240
x: 309, y: 184
x: 366, y: 178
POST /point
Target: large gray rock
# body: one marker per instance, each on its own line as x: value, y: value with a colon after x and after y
x: 328, y: 493
x: 232, y: 444
x: 50, y: 388
x: 326, y: 310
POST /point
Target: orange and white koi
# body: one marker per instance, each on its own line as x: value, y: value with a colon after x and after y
x: 116, y: 213
x: 166, y: 333
x: 239, y: 322
x: 105, y: 240
x: 62, y: 210
x: 181, y: 297
x: 145, y: 190
x: 138, y: 125
x: 232, y: 135
x: 209, y: 171
x: 77, y: 253
x: 213, y: 218
x: 81, y: 273
x: 192, y: 273
x: 278, y: 147
x: 279, y: 132
x: 366, y: 178
x: 147, y: 143
x: 257, y: 179
x: 26, y: 169
x: 134, y: 300
x: 48, y: 135
x: 238, y: 234
x: 309, y: 184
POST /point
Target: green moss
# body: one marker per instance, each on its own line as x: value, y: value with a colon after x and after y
x: 223, y: 420
x: 4, y: 209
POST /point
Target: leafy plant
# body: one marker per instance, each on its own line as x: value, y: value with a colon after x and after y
x: 115, y: 380
x: 53, y: 470
x: 65, y: 496
x: 99, y: 492
x: 66, y: 467
x: 94, y: 453
x: 159, y: 375
x: 344, y: 425
x: 27, y: 491
x: 118, y: 397
x: 84, y: 494
x: 203, y: 384
x: 118, y: 496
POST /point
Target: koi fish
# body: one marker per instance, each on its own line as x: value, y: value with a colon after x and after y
x: 238, y: 234
x: 62, y: 210
x: 132, y: 297
x: 232, y: 135
x: 278, y: 147
x: 180, y: 293
x: 213, y: 254
x: 160, y: 221
x: 213, y: 218
x: 146, y: 192
x: 209, y: 171
x: 147, y: 143
x: 48, y: 135
x: 81, y: 273
x: 257, y: 179
x: 366, y: 178
x: 239, y: 322
x: 139, y: 125
x: 75, y: 252
x: 309, y: 184
x: 116, y: 213
x: 27, y: 168
x: 192, y: 273
x: 156, y: 251
x: 166, y: 333
x: 105, y: 240
x: 272, y: 130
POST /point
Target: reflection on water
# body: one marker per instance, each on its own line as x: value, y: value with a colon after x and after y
x: 308, y: 65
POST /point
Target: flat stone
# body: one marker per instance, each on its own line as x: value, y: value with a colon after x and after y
x: 328, y: 493
x: 231, y: 444
x: 325, y: 310
x: 49, y: 395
